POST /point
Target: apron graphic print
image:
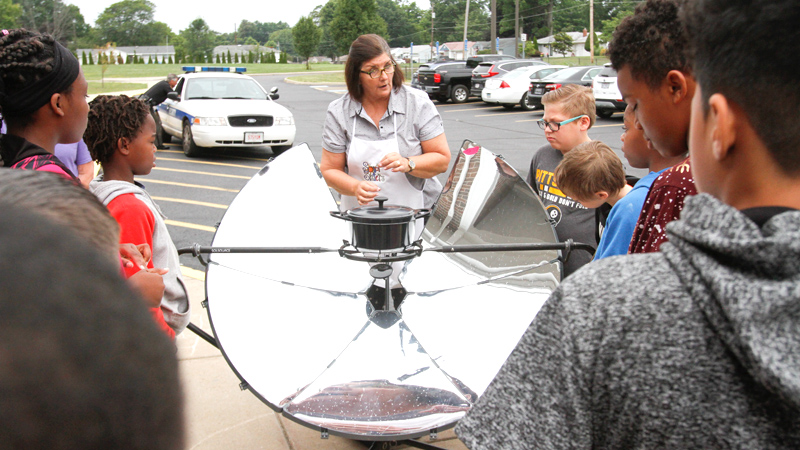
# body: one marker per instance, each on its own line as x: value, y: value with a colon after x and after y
x: 373, y: 173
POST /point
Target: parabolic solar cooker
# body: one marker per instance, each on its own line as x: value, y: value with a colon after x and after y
x: 364, y: 324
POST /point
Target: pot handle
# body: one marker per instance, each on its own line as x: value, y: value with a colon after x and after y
x: 339, y: 215
x: 420, y: 213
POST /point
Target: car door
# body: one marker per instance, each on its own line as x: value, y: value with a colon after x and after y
x: 169, y: 111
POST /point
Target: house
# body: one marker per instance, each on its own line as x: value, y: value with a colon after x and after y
x: 578, y: 42
x: 148, y: 53
x: 455, y: 50
x: 422, y: 53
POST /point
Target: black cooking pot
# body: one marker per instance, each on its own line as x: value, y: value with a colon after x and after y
x: 382, y: 227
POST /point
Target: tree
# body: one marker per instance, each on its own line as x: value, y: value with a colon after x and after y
x: 128, y: 23
x: 283, y: 40
x: 83, y: 58
x: 64, y: 22
x: 198, y: 39
x: 10, y: 14
x: 586, y: 46
x: 306, y: 36
x: 352, y: 19
x: 562, y: 43
x: 403, y: 22
x: 323, y: 16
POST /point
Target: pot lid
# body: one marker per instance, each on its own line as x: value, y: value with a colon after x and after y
x: 381, y: 214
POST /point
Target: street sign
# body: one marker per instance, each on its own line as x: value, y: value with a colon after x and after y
x: 523, y: 37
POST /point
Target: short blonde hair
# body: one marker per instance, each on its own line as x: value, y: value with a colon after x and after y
x: 589, y: 168
x: 577, y: 100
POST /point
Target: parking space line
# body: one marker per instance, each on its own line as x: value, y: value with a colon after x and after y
x: 212, y: 163
x: 190, y: 202
x: 196, y: 186
x: 490, y: 108
x: 197, y: 172
x: 511, y: 113
x: 194, y: 226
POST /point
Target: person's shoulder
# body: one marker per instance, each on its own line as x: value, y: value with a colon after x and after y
x: 543, y: 151
x: 414, y: 95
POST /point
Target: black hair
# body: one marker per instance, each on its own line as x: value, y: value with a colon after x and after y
x: 111, y: 118
x: 741, y: 49
x: 651, y: 42
x: 25, y: 57
x: 65, y: 203
x: 82, y: 363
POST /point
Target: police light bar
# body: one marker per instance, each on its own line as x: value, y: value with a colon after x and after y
x: 190, y: 69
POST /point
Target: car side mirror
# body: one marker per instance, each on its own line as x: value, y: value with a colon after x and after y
x: 173, y: 96
x: 273, y: 93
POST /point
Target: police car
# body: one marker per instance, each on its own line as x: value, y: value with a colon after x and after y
x: 223, y: 107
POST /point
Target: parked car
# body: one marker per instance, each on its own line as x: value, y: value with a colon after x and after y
x: 511, y: 89
x: 607, y: 97
x: 582, y: 75
x: 451, y: 79
x: 211, y: 108
x: 486, y: 70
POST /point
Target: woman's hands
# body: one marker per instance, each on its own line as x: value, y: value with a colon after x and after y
x: 395, y: 162
x: 366, y: 191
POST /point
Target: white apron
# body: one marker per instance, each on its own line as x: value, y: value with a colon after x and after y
x: 362, y: 164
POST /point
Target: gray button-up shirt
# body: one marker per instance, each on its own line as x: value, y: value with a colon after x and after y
x: 410, y: 111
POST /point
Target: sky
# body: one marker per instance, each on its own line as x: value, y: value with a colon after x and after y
x: 221, y: 16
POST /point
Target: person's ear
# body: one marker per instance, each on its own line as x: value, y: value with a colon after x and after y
x: 679, y: 86
x: 56, y: 104
x: 602, y: 195
x: 722, y: 121
x: 585, y: 123
x: 123, y: 146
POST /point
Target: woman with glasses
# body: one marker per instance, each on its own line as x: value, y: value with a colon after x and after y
x: 382, y: 138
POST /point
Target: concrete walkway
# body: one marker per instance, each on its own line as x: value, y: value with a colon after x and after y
x: 220, y: 416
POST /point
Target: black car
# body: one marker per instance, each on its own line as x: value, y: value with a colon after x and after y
x: 490, y: 69
x: 582, y: 75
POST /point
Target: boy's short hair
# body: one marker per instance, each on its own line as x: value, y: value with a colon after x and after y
x: 66, y: 204
x: 651, y: 42
x: 111, y: 118
x: 576, y: 99
x: 590, y: 168
x: 741, y: 50
x: 82, y: 363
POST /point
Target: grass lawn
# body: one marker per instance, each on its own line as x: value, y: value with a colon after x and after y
x: 319, y: 78
x: 573, y: 61
x: 96, y: 87
x: 93, y: 72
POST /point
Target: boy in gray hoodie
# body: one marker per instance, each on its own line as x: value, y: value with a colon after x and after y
x: 121, y: 137
x: 697, y: 345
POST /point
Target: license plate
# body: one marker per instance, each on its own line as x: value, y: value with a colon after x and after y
x: 538, y: 90
x: 489, y: 95
x: 605, y: 85
x: 253, y: 138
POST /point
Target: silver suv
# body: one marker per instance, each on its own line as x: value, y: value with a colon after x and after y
x: 607, y: 97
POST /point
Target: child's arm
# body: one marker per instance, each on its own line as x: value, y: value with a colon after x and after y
x: 136, y: 223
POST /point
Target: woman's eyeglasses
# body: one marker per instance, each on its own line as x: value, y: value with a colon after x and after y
x: 555, y: 126
x: 375, y: 72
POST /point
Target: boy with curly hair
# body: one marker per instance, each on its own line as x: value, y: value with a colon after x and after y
x: 650, y: 53
x: 121, y: 137
x: 696, y: 346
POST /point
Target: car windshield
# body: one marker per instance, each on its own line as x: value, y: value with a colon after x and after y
x: 607, y: 71
x: 223, y: 88
x: 517, y: 73
x: 564, y: 73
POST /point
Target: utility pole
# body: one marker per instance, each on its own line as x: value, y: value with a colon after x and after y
x: 591, y: 31
x: 494, y: 25
x: 433, y: 16
x: 466, y: 22
x: 516, y: 29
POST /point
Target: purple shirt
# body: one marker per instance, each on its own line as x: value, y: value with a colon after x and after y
x: 73, y: 155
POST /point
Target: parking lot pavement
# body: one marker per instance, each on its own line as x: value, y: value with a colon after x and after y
x: 220, y: 416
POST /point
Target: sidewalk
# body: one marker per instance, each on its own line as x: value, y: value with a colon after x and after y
x: 220, y: 416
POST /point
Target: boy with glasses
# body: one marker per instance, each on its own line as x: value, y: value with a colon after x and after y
x: 569, y: 112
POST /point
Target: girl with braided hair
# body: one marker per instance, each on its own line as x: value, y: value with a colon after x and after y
x: 42, y: 100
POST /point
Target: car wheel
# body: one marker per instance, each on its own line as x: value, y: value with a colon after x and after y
x: 460, y: 93
x: 190, y: 149
x: 605, y: 113
x: 526, y: 103
x: 278, y: 149
x: 508, y: 106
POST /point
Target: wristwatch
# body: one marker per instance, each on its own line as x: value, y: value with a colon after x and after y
x: 411, y: 165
